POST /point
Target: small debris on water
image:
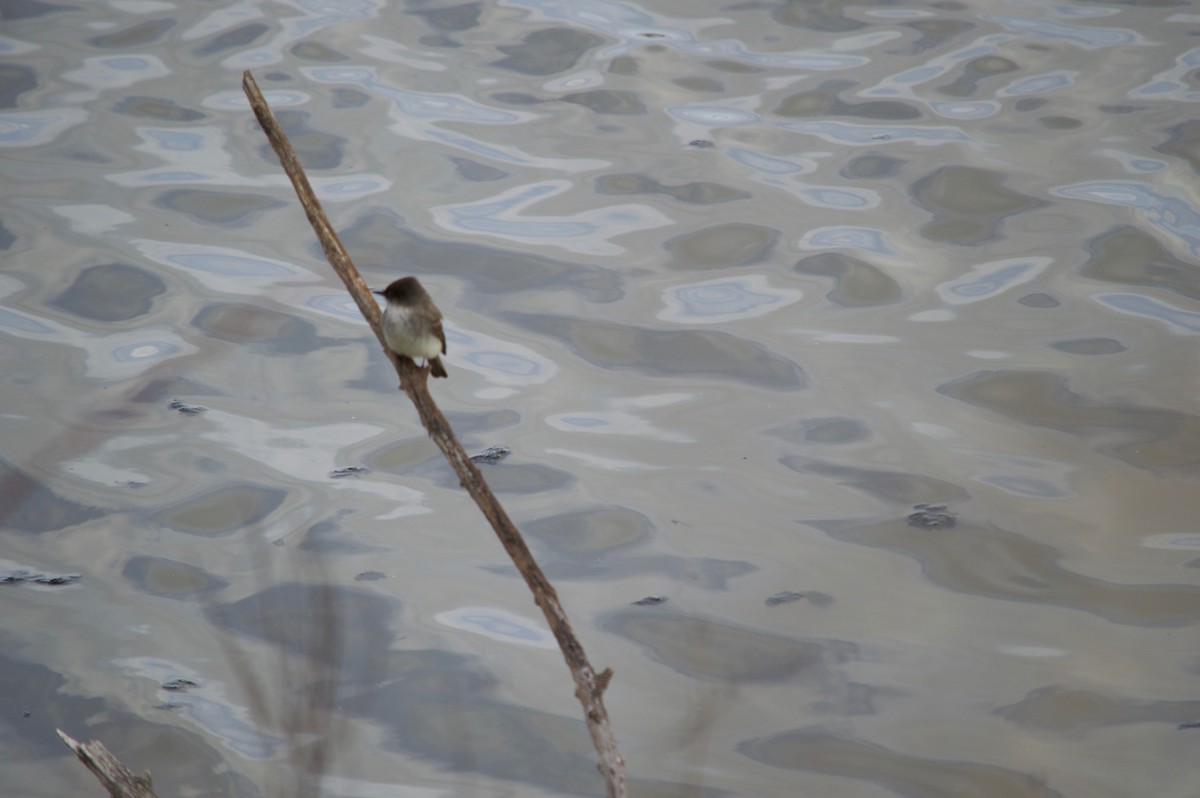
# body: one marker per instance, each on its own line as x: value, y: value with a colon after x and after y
x: 178, y: 685
x: 370, y: 576
x: 932, y: 516
x: 185, y: 408
x: 21, y: 576
x: 784, y: 597
x: 348, y: 471
x: 492, y: 454
x: 650, y: 601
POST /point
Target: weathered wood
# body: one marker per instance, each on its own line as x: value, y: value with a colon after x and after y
x: 589, y: 686
x: 116, y: 778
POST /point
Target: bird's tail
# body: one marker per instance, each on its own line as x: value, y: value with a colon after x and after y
x: 436, y: 368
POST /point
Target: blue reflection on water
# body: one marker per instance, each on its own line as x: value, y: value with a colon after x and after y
x: 840, y: 198
x: 178, y: 140
x: 1180, y: 320
x: 415, y: 104
x: 609, y: 16
x: 845, y: 133
x: 820, y: 196
x: 241, y: 266
x: 918, y: 75
x: 503, y: 628
x: 720, y: 299
x: 1176, y: 83
x: 766, y: 163
x: 977, y: 110
x: 128, y: 63
x: 236, y: 100
x: 1172, y: 214
x: 480, y: 217
x: 989, y: 279
x: 865, y: 238
x: 1133, y: 163
x: 712, y: 115
x: 480, y: 148
x: 513, y: 215
x: 724, y: 299
x: 37, y: 127
x: 497, y: 624
x: 356, y: 187
x: 1146, y: 165
x: 1039, y: 84
x: 342, y: 9
x: 228, y: 724
x: 416, y: 111
x: 583, y: 421
x: 322, y: 14
x: 13, y: 47
x: 735, y: 50
x: 23, y: 323
x: 106, y: 73
x: 146, y: 350
x: 117, y: 71
x: 1087, y: 38
x: 634, y: 27
x: 1157, y: 87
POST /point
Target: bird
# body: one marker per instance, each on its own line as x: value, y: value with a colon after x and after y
x: 412, y: 324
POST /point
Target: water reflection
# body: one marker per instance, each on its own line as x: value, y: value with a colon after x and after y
x: 987, y: 280
x: 1176, y: 319
x: 1083, y: 36
x: 870, y: 135
x: 861, y: 238
x: 849, y: 757
x: 104, y: 73
x: 499, y: 625
x: 623, y: 419
x: 969, y: 237
x: 513, y: 216
x: 1164, y: 209
x: 37, y: 128
x: 714, y: 301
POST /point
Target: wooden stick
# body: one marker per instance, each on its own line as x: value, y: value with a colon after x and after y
x: 589, y: 686
x: 116, y: 778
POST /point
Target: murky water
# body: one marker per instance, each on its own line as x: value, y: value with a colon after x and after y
x: 863, y: 335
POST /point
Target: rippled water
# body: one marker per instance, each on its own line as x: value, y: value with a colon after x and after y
x: 863, y: 335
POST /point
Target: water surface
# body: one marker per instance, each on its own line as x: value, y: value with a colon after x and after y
x: 863, y: 335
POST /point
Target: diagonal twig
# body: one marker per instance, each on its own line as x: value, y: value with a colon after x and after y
x: 119, y: 780
x: 589, y: 686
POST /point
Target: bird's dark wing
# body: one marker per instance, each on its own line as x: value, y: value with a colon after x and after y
x: 441, y: 334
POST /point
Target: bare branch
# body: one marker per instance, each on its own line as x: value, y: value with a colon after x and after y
x: 116, y: 778
x: 589, y: 686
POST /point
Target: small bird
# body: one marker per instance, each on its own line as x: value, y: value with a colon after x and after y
x: 412, y: 324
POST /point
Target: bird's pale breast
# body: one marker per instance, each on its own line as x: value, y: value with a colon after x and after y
x: 407, y: 338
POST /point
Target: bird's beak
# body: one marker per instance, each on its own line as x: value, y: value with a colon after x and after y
x: 380, y: 293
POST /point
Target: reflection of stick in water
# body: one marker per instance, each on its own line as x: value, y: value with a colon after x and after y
x: 317, y: 707
x: 305, y: 621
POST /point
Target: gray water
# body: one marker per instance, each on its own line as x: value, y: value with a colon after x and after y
x: 863, y: 335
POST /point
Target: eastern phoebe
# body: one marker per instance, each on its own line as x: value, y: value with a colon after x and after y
x: 412, y: 324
